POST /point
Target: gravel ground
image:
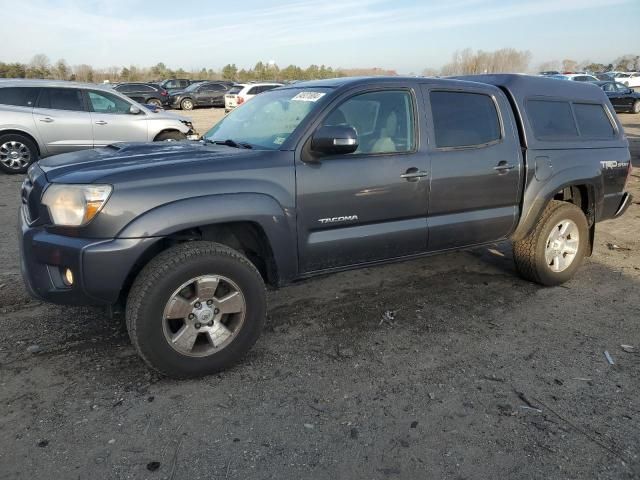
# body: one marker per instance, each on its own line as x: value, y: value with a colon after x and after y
x: 477, y: 374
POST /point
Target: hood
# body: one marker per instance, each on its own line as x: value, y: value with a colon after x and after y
x: 123, y: 161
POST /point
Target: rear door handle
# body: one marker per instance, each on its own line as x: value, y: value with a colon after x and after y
x: 101, y: 122
x: 46, y: 119
x: 503, y: 167
x: 414, y: 173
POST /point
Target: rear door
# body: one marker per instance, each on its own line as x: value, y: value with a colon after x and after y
x: 476, y: 166
x: 358, y: 208
x: 112, y: 121
x: 62, y: 120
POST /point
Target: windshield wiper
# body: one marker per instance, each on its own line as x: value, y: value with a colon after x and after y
x: 230, y: 143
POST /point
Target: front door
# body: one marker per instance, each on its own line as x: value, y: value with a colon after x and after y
x: 62, y: 120
x: 112, y: 120
x: 372, y: 204
x: 476, y: 167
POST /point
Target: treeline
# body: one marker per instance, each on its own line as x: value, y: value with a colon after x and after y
x: 41, y: 67
x: 463, y: 62
x: 509, y: 60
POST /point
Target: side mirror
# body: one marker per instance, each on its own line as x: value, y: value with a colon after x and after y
x: 335, y: 140
x: 133, y: 110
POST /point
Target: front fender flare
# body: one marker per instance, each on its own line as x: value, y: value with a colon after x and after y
x: 278, y: 223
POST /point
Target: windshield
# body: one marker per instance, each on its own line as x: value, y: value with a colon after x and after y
x: 267, y: 120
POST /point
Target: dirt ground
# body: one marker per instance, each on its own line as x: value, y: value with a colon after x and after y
x: 479, y: 375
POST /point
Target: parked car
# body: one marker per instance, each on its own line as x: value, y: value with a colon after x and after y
x: 314, y: 178
x: 630, y: 79
x: 146, y: 93
x: 623, y: 98
x: 242, y: 92
x: 39, y: 118
x: 602, y: 77
x: 575, y: 77
x: 202, y: 94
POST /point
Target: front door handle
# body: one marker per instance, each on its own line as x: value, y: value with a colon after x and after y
x: 46, y: 119
x: 414, y: 174
x: 503, y: 167
x: 101, y: 122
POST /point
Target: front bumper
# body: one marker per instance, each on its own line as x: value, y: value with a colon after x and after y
x: 100, y: 267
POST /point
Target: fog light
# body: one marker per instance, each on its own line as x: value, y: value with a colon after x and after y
x: 68, y: 277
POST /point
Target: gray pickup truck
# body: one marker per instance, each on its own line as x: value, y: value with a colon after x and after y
x: 319, y: 177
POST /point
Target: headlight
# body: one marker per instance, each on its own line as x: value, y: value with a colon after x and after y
x: 75, y: 205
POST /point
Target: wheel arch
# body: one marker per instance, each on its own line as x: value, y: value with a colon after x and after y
x: 14, y: 131
x: 254, y: 224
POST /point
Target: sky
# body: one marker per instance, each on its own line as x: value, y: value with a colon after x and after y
x: 406, y: 36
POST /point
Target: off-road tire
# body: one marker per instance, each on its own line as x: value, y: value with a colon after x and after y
x: 154, y: 286
x: 27, y: 142
x: 172, y: 136
x: 529, y: 253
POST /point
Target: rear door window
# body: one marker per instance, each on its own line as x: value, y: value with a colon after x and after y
x: 464, y: 119
x: 593, y: 121
x: 61, y: 99
x: 19, y: 96
x: 552, y: 120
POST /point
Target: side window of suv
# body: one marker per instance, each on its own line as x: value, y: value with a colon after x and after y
x: 102, y: 102
x: 464, y: 119
x: 61, y: 99
x: 383, y: 120
x: 19, y: 96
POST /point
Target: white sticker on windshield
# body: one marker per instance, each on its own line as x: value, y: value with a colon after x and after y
x: 308, y: 96
x: 279, y: 140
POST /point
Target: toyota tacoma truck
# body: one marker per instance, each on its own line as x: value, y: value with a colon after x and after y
x: 313, y: 178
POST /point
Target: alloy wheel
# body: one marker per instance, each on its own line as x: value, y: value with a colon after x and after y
x: 204, y: 315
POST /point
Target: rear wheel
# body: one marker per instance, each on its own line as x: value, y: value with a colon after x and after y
x: 172, y: 136
x: 186, y: 104
x: 17, y: 152
x: 155, y: 102
x: 196, y: 309
x: 553, y: 251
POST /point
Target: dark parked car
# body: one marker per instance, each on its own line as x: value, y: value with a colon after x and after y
x: 623, y: 98
x: 201, y: 94
x: 314, y: 178
x: 144, y: 93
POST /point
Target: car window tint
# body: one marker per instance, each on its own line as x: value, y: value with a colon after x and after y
x: 608, y: 87
x: 253, y: 91
x: 19, y: 96
x: 125, y: 88
x: 61, y: 99
x: 551, y: 119
x: 146, y: 88
x: 593, y: 121
x: 621, y: 87
x: 102, y: 102
x: 462, y: 119
x: 383, y: 120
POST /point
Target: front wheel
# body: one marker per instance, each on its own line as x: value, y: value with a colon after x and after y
x: 155, y: 102
x: 196, y: 309
x: 17, y: 152
x: 636, y: 106
x: 554, y: 249
x: 186, y: 104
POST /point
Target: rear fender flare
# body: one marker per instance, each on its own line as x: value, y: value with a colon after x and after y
x: 538, y: 194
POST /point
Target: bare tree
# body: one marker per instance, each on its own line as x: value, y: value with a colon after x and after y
x: 550, y: 66
x: 39, y: 66
x: 468, y: 62
x: 83, y: 73
x: 61, y: 70
x: 569, y: 65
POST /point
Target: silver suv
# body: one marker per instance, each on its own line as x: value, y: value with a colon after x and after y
x: 39, y: 118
